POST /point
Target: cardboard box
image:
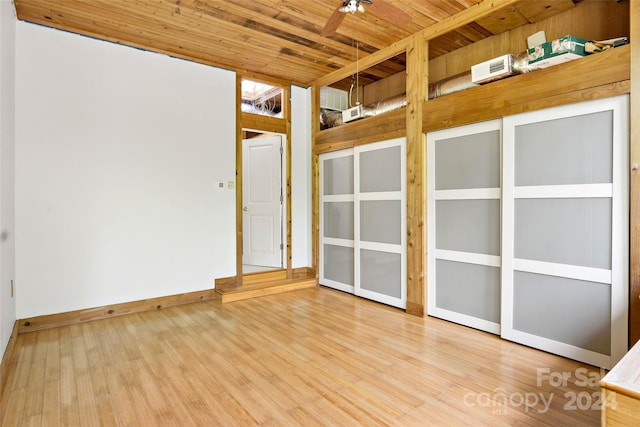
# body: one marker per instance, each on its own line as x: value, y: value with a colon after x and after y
x: 560, y: 50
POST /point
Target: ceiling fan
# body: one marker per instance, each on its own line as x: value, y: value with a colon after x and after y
x: 384, y: 10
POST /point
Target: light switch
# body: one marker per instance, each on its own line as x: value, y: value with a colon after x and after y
x: 232, y: 185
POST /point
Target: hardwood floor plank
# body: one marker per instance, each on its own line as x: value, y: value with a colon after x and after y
x: 311, y: 357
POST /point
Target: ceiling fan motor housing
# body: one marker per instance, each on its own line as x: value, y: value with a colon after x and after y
x: 351, y: 6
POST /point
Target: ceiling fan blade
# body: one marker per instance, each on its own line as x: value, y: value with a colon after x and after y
x: 333, y: 23
x: 389, y: 12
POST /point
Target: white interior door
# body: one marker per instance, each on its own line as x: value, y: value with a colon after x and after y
x: 262, y: 201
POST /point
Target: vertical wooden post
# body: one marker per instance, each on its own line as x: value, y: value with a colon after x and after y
x: 634, y: 193
x: 315, y: 184
x: 286, y: 105
x: 238, y: 179
x: 417, y: 84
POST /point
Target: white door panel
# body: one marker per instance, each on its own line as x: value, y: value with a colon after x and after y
x: 262, y: 202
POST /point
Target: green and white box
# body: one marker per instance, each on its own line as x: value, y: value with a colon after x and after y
x: 560, y: 50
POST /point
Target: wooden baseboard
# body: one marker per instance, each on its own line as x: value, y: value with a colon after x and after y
x: 72, y: 317
x: 8, y: 360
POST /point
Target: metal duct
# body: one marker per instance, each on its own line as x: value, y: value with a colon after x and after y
x: 462, y: 81
x: 451, y: 84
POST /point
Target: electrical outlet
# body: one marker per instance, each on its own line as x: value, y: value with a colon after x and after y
x: 220, y: 185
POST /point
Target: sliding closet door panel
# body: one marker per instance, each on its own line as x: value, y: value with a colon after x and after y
x: 564, y: 310
x: 581, y: 147
x: 380, y: 225
x: 379, y: 221
x: 338, y: 264
x: 337, y: 177
x: 337, y: 213
x: 565, y: 230
x: 468, y: 226
x: 469, y: 289
x: 464, y: 225
x: 338, y: 220
x: 381, y: 273
x: 381, y: 170
x: 475, y: 158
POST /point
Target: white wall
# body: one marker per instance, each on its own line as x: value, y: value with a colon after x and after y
x: 7, y: 138
x: 117, y: 156
x: 301, y: 177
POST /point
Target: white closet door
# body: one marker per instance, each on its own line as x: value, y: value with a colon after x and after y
x: 380, y: 222
x: 337, y: 258
x: 565, y: 230
x: 463, y: 213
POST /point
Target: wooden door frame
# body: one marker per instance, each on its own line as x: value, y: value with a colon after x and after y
x: 265, y: 124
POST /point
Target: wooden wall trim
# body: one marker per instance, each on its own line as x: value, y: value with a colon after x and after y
x: 79, y: 316
x: 634, y: 160
x: 8, y: 361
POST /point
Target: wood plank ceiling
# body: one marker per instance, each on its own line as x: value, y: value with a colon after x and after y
x: 280, y: 39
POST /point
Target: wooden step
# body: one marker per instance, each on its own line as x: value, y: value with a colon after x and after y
x: 254, y: 290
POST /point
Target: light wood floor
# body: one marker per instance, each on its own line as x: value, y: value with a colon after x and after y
x: 310, y: 357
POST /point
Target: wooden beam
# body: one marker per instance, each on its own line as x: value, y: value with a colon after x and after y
x: 264, y: 123
x: 634, y: 158
x: 416, y: 89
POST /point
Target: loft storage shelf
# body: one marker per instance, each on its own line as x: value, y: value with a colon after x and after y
x: 561, y: 84
x: 608, y: 75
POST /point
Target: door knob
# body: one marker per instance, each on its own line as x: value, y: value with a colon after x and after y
x: 245, y: 209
